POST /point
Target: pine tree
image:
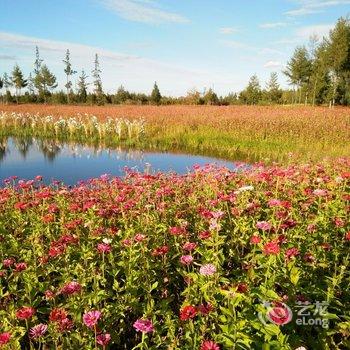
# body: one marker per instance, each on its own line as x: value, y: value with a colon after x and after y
x: 155, y: 95
x: 69, y: 72
x: 211, y: 98
x: 338, y: 53
x: 82, y: 87
x: 98, y: 91
x: 273, y: 90
x: 47, y: 81
x: 298, y: 70
x: 252, y: 93
x: 37, y: 67
x: 18, y: 80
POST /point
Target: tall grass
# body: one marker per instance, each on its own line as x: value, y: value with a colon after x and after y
x: 272, y: 133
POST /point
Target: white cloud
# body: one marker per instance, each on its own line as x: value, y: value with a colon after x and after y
x: 272, y: 64
x: 134, y: 72
x: 145, y: 11
x: 307, y: 7
x: 228, y: 30
x: 320, y: 31
x: 272, y: 25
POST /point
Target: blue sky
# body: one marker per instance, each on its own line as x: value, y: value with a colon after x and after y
x: 181, y: 44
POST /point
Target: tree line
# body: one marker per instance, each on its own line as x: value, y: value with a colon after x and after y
x: 318, y: 74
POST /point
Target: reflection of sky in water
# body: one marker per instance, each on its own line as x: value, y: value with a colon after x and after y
x: 71, y: 163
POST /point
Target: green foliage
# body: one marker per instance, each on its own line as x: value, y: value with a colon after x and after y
x: 155, y: 95
x: 273, y: 91
x: 18, y: 80
x: 82, y: 87
x: 69, y: 72
x: 210, y: 98
x: 252, y: 94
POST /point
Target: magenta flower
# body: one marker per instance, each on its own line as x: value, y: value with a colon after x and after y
x: 71, y: 288
x: 5, y: 338
x: 38, y: 331
x: 144, y: 326
x: 186, y: 259
x: 104, y: 248
x: 91, y: 318
x: 103, y: 339
x: 207, y: 270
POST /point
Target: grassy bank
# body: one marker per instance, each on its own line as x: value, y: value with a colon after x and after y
x: 238, y: 132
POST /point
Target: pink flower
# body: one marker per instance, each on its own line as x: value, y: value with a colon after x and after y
x: 104, y: 248
x: 38, y: 331
x: 291, y: 252
x: 209, y: 345
x: 263, y: 225
x: 8, y: 262
x: 207, y: 270
x: 139, y: 237
x: 5, y: 338
x: 103, y: 339
x: 271, y: 248
x: 71, y: 288
x: 144, y: 326
x: 320, y: 193
x: 186, y: 259
x: 274, y: 202
x: 91, y: 318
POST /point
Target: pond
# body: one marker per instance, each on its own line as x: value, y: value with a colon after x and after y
x: 70, y: 163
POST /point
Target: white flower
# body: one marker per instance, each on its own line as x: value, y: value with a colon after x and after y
x: 107, y: 240
x: 244, y: 188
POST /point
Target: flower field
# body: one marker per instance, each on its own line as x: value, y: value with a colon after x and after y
x: 246, y: 133
x: 210, y: 260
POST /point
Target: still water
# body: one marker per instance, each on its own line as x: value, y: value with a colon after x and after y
x: 27, y: 158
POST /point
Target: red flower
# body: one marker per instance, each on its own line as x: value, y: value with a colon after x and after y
x: 188, y: 312
x: 271, y: 248
x: 57, y: 315
x: 205, y: 235
x: 205, y: 308
x: 209, y: 345
x: 25, y: 313
x: 20, y: 267
x: 347, y: 236
x: 242, y: 287
x: 255, y: 239
x: 280, y: 314
x: 5, y: 338
x: 160, y: 251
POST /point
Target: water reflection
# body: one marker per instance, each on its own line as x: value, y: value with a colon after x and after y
x: 71, y: 162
